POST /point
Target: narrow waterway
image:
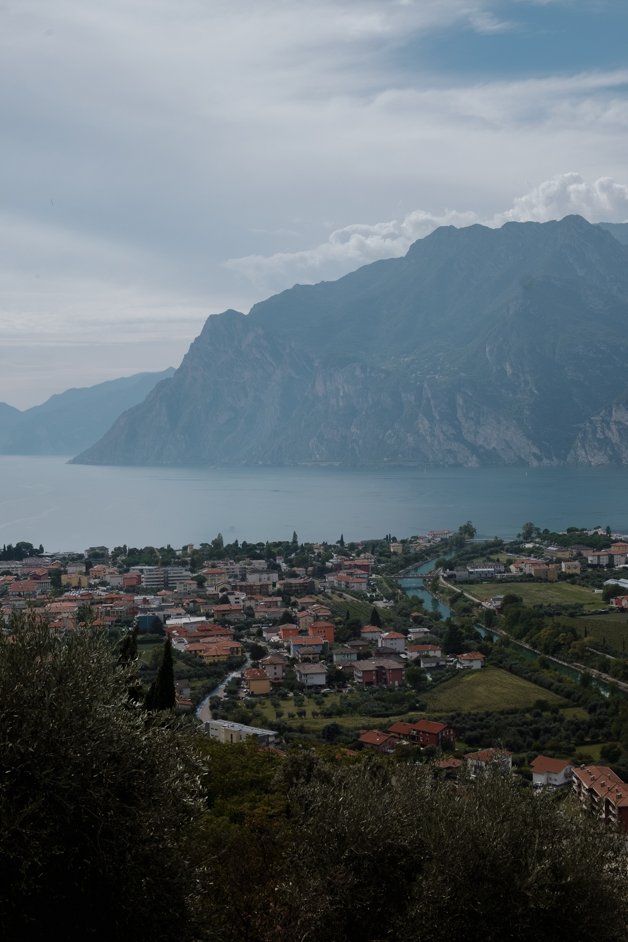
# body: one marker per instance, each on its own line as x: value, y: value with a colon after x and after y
x: 414, y: 586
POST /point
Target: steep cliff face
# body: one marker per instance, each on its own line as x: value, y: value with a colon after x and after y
x: 604, y: 438
x: 481, y: 346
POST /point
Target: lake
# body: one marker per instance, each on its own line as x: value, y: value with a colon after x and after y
x: 45, y: 500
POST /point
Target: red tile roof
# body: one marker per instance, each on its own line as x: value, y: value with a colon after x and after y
x: 543, y: 765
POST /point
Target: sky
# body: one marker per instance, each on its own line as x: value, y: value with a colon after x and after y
x: 163, y: 160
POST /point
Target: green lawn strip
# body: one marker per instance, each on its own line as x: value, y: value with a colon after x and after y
x: 539, y: 593
x: 574, y: 713
x: 488, y: 689
x: 591, y: 749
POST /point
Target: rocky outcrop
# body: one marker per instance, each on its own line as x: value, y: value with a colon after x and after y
x: 604, y: 438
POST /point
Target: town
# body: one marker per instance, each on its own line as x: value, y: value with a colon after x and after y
x: 438, y: 649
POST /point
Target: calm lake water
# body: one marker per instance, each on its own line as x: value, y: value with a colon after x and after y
x: 45, y: 500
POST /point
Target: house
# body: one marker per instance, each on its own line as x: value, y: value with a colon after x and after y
x: 343, y: 654
x: 401, y: 730
x: 431, y: 733
x: 227, y: 732
x: 472, y: 660
x: 550, y: 773
x: 602, y: 793
x: 371, y: 633
x: 349, y: 581
x: 306, y: 648
x: 375, y: 739
x: 421, y: 651
x: 287, y: 632
x: 274, y: 666
x: 256, y: 681
x: 311, y: 675
x: 449, y: 765
x: 478, y: 762
x: 570, y: 567
x: 321, y: 629
x: 392, y: 641
x: 383, y: 672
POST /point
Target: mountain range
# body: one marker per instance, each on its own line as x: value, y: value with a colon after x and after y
x: 479, y: 347
x: 71, y: 421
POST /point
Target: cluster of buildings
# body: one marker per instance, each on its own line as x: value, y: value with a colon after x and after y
x: 556, y: 561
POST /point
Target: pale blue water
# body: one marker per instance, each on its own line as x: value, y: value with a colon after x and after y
x: 45, y: 500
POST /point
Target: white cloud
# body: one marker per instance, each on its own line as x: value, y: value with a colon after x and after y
x: 347, y: 248
x: 604, y: 200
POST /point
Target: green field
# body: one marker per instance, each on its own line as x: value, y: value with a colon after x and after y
x: 612, y: 628
x: 265, y: 713
x: 488, y: 689
x: 539, y: 593
x: 342, y: 602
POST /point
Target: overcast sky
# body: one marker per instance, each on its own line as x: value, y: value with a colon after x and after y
x: 163, y: 160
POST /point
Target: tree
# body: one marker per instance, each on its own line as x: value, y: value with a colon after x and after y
x: 452, y: 643
x: 527, y: 531
x: 85, y: 615
x: 467, y: 530
x: 97, y: 805
x: 376, y: 618
x: 380, y: 851
x: 257, y: 651
x: 161, y: 694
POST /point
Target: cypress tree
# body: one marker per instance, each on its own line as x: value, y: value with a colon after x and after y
x: 376, y: 617
x: 161, y: 693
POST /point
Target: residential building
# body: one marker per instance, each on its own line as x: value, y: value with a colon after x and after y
x: 478, y: 762
x: 311, y: 675
x: 256, y: 681
x: 274, y: 665
x: 550, y: 773
x: 415, y: 651
x: 322, y: 629
x: 431, y: 733
x: 379, y: 741
x: 602, y: 792
x: 227, y: 732
x: 392, y: 641
x: 307, y: 648
x: 471, y: 660
x: 383, y: 672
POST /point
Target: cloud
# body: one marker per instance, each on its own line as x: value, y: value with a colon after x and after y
x: 144, y: 144
x: 347, y: 248
x: 604, y: 200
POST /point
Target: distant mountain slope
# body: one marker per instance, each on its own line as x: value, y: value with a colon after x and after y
x: 617, y: 229
x: 73, y: 420
x: 481, y: 346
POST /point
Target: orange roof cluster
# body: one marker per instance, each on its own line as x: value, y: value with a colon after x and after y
x: 604, y: 782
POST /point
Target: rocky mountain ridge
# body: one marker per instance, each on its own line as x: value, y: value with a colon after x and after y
x: 72, y: 420
x: 480, y: 346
